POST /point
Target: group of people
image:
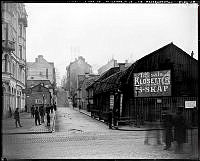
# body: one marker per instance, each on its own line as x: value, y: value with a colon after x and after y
x: 38, y: 112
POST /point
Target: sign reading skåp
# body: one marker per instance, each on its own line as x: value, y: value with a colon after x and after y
x: 152, y: 84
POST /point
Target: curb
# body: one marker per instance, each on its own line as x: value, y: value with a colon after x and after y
x: 27, y: 133
x: 122, y: 129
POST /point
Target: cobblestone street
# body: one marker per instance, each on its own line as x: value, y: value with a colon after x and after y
x: 83, y: 138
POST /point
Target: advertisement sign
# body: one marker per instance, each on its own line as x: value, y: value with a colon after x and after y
x: 152, y: 84
x: 190, y: 104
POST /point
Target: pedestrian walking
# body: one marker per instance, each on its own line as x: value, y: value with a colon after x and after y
x: 168, y: 135
x: 137, y: 123
x: 48, y: 118
x: 47, y: 108
x: 32, y: 111
x: 48, y: 114
x: 142, y: 118
x: 10, y: 112
x: 110, y: 115
x: 148, y: 134
x: 25, y: 108
x: 17, y: 117
x: 41, y: 110
x: 37, y: 116
x: 54, y: 106
x: 179, y: 131
x: 51, y: 107
x: 115, y: 117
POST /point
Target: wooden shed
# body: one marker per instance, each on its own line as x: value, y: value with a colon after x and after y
x: 164, y: 79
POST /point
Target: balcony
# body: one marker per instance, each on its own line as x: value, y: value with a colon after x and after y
x: 22, y: 63
x: 24, y: 21
x: 8, y: 45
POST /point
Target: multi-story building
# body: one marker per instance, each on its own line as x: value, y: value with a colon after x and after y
x: 78, y: 67
x: 14, y: 23
x: 85, y: 100
x: 41, y: 71
x: 111, y: 64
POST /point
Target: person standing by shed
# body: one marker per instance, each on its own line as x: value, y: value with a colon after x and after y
x: 48, y: 114
x: 179, y: 130
x: 110, y: 115
x: 168, y: 135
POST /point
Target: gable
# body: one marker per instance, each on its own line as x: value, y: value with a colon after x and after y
x: 39, y: 88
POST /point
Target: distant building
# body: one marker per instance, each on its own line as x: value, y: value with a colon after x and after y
x: 78, y: 67
x: 14, y: 23
x: 41, y: 70
x: 38, y: 95
x: 83, y: 82
x: 111, y: 64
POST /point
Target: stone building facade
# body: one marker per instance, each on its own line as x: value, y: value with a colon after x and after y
x: 78, y: 67
x: 38, y: 95
x: 41, y: 70
x: 111, y: 64
x: 14, y: 23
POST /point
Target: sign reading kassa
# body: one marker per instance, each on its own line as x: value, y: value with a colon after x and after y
x: 152, y: 84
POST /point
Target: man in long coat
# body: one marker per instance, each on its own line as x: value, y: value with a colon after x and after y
x: 179, y: 131
x: 168, y: 123
x: 110, y: 117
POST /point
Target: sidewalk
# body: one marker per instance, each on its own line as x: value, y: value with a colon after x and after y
x: 191, y: 147
x: 28, y: 125
x: 145, y: 127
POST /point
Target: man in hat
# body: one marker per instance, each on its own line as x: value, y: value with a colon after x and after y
x: 17, y: 117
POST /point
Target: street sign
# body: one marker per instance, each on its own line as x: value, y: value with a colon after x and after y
x: 190, y: 104
x: 159, y: 101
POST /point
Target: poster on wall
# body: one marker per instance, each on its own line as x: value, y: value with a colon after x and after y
x: 190, y: 104
x: 152, y: 84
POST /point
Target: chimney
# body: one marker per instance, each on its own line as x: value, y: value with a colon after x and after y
x: 115, y: 63
x: 121, y: 66
x: 87, y: 75
x: 40, y: 56
x: 192, y: 54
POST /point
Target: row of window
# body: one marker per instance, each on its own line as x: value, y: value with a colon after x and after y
x: 17, y: 72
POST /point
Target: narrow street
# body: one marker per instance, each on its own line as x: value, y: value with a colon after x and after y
x: 79, y: 136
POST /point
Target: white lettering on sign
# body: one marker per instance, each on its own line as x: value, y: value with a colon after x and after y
x: 190, y: 104
x: 155, y: 83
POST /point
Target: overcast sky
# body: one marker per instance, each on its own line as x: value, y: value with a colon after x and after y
x: 99, y: 32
